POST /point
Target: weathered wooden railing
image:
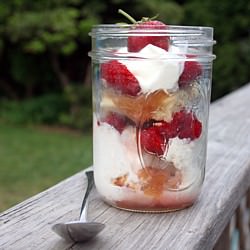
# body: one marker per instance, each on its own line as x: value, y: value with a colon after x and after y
x: 236, y: 235
x: 218, y: 220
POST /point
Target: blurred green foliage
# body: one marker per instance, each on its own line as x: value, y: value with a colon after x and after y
x: 44, y: 46
x: 231, y: 22
x: 72, y: 108
x: 80, y: 107
x: 43, y: 109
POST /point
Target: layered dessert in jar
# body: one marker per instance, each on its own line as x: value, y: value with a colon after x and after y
x: 151, y: 95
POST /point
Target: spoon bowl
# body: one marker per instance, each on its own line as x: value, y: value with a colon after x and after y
x: 82, y: 230
x: 78, y: 231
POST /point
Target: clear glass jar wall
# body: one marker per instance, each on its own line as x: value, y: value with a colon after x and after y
x: 150, y: 114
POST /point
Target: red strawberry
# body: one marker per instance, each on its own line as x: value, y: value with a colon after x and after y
x: 187, y: 125
x: 115, y: 120
x: 119, y: 77
x: 154, y: 137
x: 136, y: 43
x: 169, y: 129
x: 153, y: 141
x: 192, y: 69
x: 196, y: 129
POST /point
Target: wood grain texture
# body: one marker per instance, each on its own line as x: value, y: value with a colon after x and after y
x: 242, y: 215
x: 224, y: 241
x: 28, y: 225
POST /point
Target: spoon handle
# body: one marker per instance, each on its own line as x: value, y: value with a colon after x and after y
x: 90, y: 183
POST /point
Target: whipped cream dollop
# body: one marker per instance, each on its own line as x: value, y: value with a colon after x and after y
x: 161, y: 70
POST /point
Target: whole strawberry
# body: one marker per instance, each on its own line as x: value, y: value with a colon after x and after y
x: 136, y: 43
x: 120, y: 78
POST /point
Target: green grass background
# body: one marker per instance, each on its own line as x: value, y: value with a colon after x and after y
x: 33, y: 159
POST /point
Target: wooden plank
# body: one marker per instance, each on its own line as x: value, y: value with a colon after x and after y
x: 224, y: 241
x: 242, y: 213
x: 28, y: 225
x: 248, y: 198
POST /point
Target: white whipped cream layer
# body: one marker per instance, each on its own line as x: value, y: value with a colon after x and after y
x: 116, y: 155
x: 186, y: 156
x: 160, y: 70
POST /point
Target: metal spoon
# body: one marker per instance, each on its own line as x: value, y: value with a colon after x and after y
x: 82, y: 230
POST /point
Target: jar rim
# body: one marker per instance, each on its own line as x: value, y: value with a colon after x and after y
x: 170, y: 30
x: 197, y: 39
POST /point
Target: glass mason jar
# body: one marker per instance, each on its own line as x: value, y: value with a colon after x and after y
x: 151, y: 95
